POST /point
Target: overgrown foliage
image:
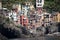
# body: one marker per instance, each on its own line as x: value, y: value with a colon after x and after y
x: 9, y: 3
x: 50, y: 5
x: 9, y: 29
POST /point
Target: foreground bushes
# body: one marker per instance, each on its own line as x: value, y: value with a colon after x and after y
x: 2, y: 37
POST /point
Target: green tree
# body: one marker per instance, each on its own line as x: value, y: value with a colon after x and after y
x: 52, y: 5
x: 8, y: 3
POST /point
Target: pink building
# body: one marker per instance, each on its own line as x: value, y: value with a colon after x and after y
x: 23, y: 20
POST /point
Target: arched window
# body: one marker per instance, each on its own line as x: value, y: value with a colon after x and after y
x: 40, y: 1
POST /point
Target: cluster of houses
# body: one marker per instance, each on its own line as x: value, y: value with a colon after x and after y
x: 27, y: 16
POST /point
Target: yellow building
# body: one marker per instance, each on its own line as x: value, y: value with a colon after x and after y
x: 31, y: 6
x: 56, y: 17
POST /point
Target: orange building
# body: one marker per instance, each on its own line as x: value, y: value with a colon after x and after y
x: 23, y: 20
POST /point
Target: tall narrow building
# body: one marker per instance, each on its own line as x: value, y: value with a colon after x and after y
x: 39, y: 5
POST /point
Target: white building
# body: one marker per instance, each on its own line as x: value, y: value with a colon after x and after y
x: 13, y: 16
x: 25, y: 10
x: 18, y: 6
x: 39, y: 6
x: 39, y: 3
x: 47, y: 19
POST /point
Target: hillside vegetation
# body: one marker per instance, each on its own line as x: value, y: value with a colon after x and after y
x: 49, y: 5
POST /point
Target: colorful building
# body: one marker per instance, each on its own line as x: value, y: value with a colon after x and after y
x: 25, y: 9
x: 23, y: 20
x: 56, y: 17
x: 5, y: 11
x: 47, y: 19
x: 30, y: 5
x: 17, y: 7
x: 39, y: 5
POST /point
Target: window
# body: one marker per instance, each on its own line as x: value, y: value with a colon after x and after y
x: 24, y: 25
x: 46, y: 16
x: 39, y: 1
x: 24, y: 20
x: 39, y: 4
